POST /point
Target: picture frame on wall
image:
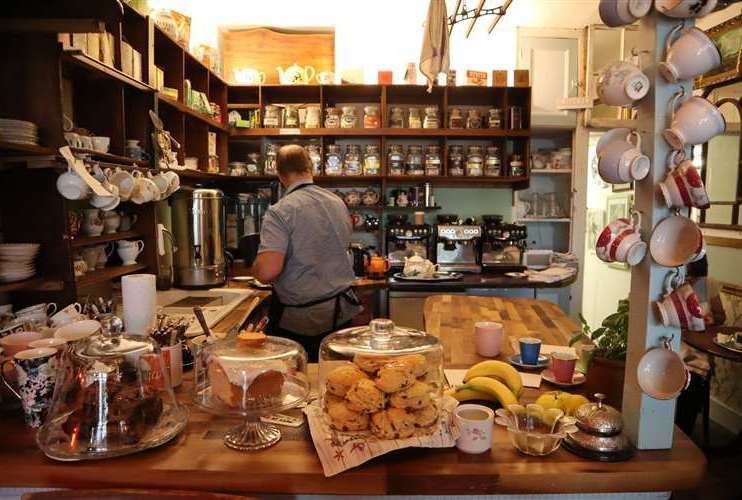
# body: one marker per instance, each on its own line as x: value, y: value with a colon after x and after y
x: 619, y: 206
x: 727, y: 36
x: 595, y: 223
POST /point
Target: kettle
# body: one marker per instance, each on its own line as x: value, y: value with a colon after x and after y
x: 360, y: 258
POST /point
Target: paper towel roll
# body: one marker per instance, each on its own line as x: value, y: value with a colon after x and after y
x: 140, y: 303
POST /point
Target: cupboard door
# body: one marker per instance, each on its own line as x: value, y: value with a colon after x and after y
x: 553, y: 67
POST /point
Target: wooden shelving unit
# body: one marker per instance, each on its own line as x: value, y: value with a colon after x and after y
x: 107, y: 274
x: 84, y: 241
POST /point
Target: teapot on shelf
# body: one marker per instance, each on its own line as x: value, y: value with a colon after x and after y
x: 249, y: 76
x: 295, y: 74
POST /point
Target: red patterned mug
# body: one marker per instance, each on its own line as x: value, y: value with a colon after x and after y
x: 679, y: 307
x: 683, y: 186
x: 620, y: 241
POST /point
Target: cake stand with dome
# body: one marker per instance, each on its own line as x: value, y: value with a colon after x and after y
x: 250, y: 376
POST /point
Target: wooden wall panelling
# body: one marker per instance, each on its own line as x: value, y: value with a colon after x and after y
x: 196, y: 142
x: 170, y: 58
x: 266, y: 48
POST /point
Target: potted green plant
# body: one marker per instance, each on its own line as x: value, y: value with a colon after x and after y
x: 607, y: 360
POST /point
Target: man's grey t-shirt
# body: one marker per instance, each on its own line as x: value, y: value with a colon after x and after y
x: 311, y: 227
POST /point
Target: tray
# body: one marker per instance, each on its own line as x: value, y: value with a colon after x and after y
x: 439, y: 276
x: 731, y: 346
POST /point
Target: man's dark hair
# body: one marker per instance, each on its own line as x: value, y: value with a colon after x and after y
x: 293, y: 159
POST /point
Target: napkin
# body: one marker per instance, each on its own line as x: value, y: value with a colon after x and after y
x: 434, y: 54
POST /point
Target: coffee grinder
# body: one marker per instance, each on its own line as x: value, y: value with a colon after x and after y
x: 503, y: 245
x: 404, y: 239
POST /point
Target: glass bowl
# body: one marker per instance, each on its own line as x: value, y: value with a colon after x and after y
x: 534, y: 430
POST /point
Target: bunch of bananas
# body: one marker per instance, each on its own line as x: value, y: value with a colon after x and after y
x: 490, y: 380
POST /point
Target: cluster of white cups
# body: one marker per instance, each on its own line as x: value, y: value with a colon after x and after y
x: 99, y: 143
x: 624, y: 12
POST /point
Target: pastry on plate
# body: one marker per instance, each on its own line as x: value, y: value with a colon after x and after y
x: 342, y: 378
x: 393, y: 423
x: 365, y: 397
x: 343, y: 418
x: 416, y: 362
x: 370, y: 364
x: 394, y: 377
x: 425, y: 416
x: 415, y: 397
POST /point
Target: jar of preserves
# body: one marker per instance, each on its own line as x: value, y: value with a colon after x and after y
x: 372, y: 160
x: 492, y: 164
x: 269, y: 166
x: 253, y: 164
x: 272, y: 118
x: 474, y: 162
x: 495, y: 118
x: 456, y: 119
x: 291, y: 117
x: 414, y: 162
x: 517, y: 167
x: 474, y: 119
x: 314, y: 154
x: 414, y: 120
x: 349, y: 118
x: 431, y: 117
x: 352, y: 160
x: 371, y: 117
x: 456, y: 161
x: 396, y: 159
x: 333, y: 160
x: 312, y: 118
x: 433, y: 160
x: 332, y: 118
x: 396, y: 118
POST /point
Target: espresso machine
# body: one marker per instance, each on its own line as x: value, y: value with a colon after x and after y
x: 457, y: 246
x: 404, y: 239
x: 503, y: 245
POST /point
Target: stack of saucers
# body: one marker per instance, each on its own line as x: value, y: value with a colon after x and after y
x: 19, y: 132
x: 17, y: 261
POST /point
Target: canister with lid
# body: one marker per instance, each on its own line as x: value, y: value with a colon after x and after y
x: 332, y: 118
x: 414, y: 120
x: 414, y: 161
x: 371, y: 160
x: 432, y: 160
x: 396, y: 160
x: 474, y: 162
x: 396, y: 117
x: 333, y: 160
x: 352, y: 160
x: 349, y: 118
x: 492, y: 163
x: 456, y: 161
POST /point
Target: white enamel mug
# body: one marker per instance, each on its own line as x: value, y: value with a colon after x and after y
x: 692, y: 54
x: 695, y: 121
x: 661, y: 372
x: 621, y: 84
x: 615, y: 13
x: 676, y: 241
x: 622, y: 161
x: 684, y: 9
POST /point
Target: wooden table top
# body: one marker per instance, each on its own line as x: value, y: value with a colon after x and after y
x: 198, y: 460
x: 704, y: 342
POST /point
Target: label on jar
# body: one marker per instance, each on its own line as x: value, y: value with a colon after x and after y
x: 352, y: 167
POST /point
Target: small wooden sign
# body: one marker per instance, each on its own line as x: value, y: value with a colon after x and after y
x: 521, y: 78
x: 500, y: 78
x: 478, y: 78
x: 385, y: 77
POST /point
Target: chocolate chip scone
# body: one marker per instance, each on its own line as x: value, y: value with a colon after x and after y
x: 425, y: 416
x: 342, y: 378
x: 365, y: 397
x: 415, y: 397
x: 394, y: 377
x: 393, y: 423
x: 343, y: 418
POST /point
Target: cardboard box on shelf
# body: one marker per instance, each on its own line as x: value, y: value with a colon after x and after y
x: 522, y: 78
x: 80, y: 41
x: 93, y: 45
x: 478, y: 78
x: 385, y: 78
x: 136, y: 64
x: 126, y: 58
x: 159, y: 78
x: 500, y: 78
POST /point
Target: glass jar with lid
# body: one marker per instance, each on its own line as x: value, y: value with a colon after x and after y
x: 269, y: 166
x: 414, y: 120
x: 315, y: 155
x: 431, y: 117
x: 474, y: 161
x: 249, y: 376
x: 473, y: 118
x: 517, y: 167
x: 396, y: 117
x: 352, y: 160
x: 372, y: 160
x: 367, y: 370
x: 312, y: 118
x: 433, y: 160
x: 272, y: 118
x: 332, y: 118
x: 112, y: 397
x: 492, y: 163
x: 414, y: 161
x: 333, y: 160
x: 456, y: 161
x: 291, y: 116
x: 456, y: 118
x: 371, y: 117
x: 396, y: 159
x: 495, y: 118
x: 349, y: 118
x: 253, y: 164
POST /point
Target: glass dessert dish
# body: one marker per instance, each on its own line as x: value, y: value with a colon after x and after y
x: 250, y: 376
x: 112, y: 397
x: 534, y: 430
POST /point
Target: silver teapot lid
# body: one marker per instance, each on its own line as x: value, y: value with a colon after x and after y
x: 599, y: 418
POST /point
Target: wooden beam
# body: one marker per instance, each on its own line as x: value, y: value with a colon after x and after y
x: 455, y: 11
x: 503, y: 11
x: 476, y: 16
x: 42, y: 25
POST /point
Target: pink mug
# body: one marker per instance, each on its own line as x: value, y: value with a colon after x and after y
x: 621, y: 241
x: 679, y: 307
x: 683, y: 186
x: 563, y: 366
x: 488, y: 338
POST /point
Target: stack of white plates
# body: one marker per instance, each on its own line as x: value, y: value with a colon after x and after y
x: 19, y: 132
x: 17, y: 261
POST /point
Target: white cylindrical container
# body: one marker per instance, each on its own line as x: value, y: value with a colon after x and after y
x: 140, y: 303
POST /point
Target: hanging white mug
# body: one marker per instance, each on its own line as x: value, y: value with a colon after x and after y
x: 622, y: 161
x: 676, y: 241
x: 661, y: 372
x: 685, y: 8
x: 621, y: 84
x: 695, y: 121
x: 615, y: 13
x: 692, y: 54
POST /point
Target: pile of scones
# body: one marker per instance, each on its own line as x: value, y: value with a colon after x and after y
x: 389, y: 396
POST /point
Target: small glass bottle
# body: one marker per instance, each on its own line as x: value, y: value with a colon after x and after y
x: 352, y: 160
x: 332, y: 118
x: 349, y: 118
x: 431, y: 117
x: 517, y: 167
x: 396, y: 159
x: 333, y: 160
x: 456, y: 119
x: 474, y: 161
x: 396, y: 118
x: 433, y: 160
x: 414, y: 120
x: 270, y: 159
x: 314, y: 155
x: 371, y: 160
x: 272, y: 117
x: 253, y: 164
x: 291, y: 119
x: 456, y: 161
x: 492, y: 164
x: 474, y: 119
x: 495, y: 118
x: 371, y: 117
x: 414, y: 161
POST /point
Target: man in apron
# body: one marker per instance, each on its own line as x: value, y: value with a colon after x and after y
x: 303, y: 251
